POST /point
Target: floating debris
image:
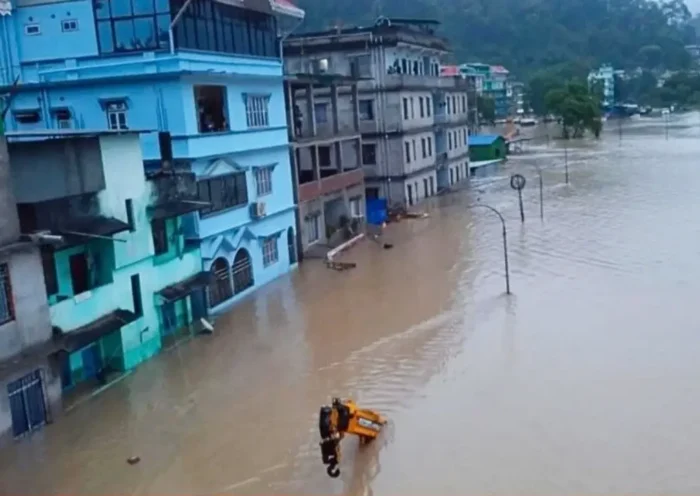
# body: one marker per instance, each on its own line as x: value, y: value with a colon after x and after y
x: 133, y: 460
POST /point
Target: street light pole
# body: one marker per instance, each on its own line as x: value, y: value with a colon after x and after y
x: 566, y: 161
x: 505, y: 240
x: 539, y: 173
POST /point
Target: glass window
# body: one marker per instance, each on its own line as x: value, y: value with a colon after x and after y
x: 145, y: 32
x: 321, y: 112
x: 102, y: 10
x: 142, y: 7
x: 104, y: 34
x: 263, y: 179
x: 121, y: 8
x: 124, y: 35
x: 312, y: 228
x: 270, y: 253
x: 7, y: 309
x: 257, y: 111
x: 223, y: 192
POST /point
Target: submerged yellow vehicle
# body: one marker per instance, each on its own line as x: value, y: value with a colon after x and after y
x: 340, y: 418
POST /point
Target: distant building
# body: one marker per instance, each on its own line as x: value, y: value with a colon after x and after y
x: 327, y: 153
x: 518, y: 99
x: 122, y: 282
x: 495, y: 84
x: 605, y: 78
x: 487, y: 147
x: 412, y: 121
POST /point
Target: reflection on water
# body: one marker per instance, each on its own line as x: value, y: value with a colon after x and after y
x: 581, y: 382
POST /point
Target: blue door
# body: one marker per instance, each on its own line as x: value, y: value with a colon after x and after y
x: 92, y: 361
x: 199, y: 304
x: 27, y: 403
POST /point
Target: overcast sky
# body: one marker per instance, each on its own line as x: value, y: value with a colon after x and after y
x: 693, y: 5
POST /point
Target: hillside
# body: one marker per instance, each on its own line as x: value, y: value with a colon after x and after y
x: 526, y: 35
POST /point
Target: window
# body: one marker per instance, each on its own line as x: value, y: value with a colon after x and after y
x: 136, y: 294
x: 355, y: 207
x: 256, y: 111
x: 415, y: 156
x: 7, y: 308
x: 116, y: 116
x: 211, y: 108
x: 27, y: 116
x: 464, y: 104
x: 454, y: 104
x: 426, y: 192
x: 32, y: 29
x: 449, y: 141
x: 413, y: 110
x: 269, y: 249
x: 447, y: 105
x: 69, y: 25
x: 223, y: 192
x: 129, y: 204
x: 321, y: 112
x: 369, y: 154
x: 428, y: 105
x: 159, y: 232
x: 430, y: 146
x: 361, y: 66
x: 405, y: 108
x: 263, y: 180
x: 404, y: 67
x: 424, y: 148
x: 420, y: 107
x: 324, y: 156
x: 48, y: 263
x: 312, y: 224
x: 63, y: 118
x: 366, y: 110
x: 415, y: 67
x: 407, y: 145
x: 131, y: 25
x: 432, y: 186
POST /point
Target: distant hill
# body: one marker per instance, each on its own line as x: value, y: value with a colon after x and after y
x: 526, y: 35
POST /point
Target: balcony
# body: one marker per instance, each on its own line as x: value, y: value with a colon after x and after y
x: 173, y: 193
x: 330, y: 183
x: 424, y: 82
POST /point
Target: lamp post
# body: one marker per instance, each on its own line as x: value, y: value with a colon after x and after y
x: 539, y: 173
x: 505, y: 240
x: 566, y: 161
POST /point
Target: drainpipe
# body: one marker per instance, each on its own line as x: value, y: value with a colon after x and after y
x: 171, y: 37
x: 283, y: 38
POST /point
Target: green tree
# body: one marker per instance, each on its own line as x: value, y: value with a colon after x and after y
x: 487, y: 109
x: 577, y: 107
x: 650, y: 56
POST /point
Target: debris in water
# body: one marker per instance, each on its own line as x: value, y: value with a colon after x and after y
x: 340, y: 265
x: 388, y: 246
x: 133, y: 460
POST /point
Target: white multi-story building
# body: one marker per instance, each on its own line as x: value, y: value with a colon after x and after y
x: 605, y: 76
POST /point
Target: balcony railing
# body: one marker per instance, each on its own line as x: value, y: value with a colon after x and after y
x: 336, y: 182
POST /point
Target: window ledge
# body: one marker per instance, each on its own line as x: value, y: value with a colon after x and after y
x: 223, y: 210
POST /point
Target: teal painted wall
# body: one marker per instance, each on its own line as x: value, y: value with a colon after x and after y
x: 497, y: 150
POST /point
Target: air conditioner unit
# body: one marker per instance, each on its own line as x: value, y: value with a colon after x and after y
x: 258, y: 209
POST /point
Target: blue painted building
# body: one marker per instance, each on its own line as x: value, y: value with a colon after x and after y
x: 209, y: 73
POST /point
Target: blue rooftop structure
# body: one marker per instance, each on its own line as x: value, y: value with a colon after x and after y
x: 483, y: 139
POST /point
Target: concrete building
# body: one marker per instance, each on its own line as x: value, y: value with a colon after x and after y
x: 475, y: 89
x: 326, y: 159
x: 30, y: 386
x: 495, y: 84
x: 207, y: 71
x: 122, y: 281
x: 413, y: 122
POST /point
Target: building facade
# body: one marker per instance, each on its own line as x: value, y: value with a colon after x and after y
x: 604, y: 79
x: 209, y: 72
x: 120, y: 281
x: 495, y: 84
x: 412, y: 121
x: 30, y: 387
x: 326, y: 159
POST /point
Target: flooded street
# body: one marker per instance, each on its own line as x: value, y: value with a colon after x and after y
x: 582, y: 382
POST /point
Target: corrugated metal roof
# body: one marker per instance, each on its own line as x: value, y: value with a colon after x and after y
x: 483, y: 139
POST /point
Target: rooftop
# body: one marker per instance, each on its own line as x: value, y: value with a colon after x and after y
x: 483, y: 139
x: 71, y: 133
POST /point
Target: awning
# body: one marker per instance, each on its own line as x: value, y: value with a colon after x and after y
x: 181, y: 289
x: 175, y: 209
x: 83, y: 229
x: 87, y: 334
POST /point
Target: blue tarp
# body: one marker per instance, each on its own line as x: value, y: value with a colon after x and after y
x: 376, y: 211
x: 483, y: 139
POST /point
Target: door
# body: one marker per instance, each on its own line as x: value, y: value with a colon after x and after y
x: 426, y: 193
x: 199, y: 304
x: 410, y: 194
x: 291, y: 242
x: 92, y: 361
x: 169, y: 318
x: 136, y: 294
x: 27, y: 403
x: 452, y: 176
x: 79, y: 273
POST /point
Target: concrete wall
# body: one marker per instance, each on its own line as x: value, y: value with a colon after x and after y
x: 31, y: 325
x: 67, y: 168
x: 9, y: 222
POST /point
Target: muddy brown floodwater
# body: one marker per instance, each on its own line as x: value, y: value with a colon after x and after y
x: 583, y: 382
